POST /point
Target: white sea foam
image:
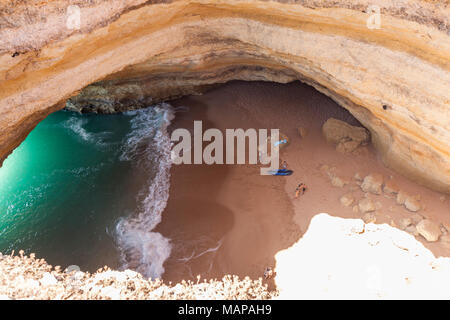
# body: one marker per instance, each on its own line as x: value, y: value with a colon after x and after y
x: 76, y: 124
x: 148, y: 147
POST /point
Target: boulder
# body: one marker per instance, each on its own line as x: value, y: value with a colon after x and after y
x: 337, y: 182
x: 369, y: 217
x: 372, y: 183
x: 412, y: 204
x: 336, y: 131
x: 429, y: 230
x: 347, y: 199
x: 366, y: 205
x: 390, y: 188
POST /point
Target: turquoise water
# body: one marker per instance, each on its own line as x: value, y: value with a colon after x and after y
x: 65, y: 190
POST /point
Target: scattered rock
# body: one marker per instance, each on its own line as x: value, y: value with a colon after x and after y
x: 445, y: 238
x: 372, y: 183
x: 401, y: 197
x: 403, y: 223
x: 443, y: 229
x: 412, y: 204
x: 369, y: 217
x: 347, y: 199
x: 416, y: 218
x: 302, y: 132
x: 358, y: 177
x: 337, y: 182
x: 429, y: 230
x: 347, y: 146
x: 366, y: 205
x: 390, y: 188
x: 411, y: 229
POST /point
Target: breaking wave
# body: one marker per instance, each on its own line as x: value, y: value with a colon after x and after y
x: 147, y: 146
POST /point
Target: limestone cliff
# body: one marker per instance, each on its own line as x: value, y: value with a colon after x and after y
x: 393, y: 78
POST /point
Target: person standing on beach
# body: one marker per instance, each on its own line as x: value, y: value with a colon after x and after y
x: 301, y: 188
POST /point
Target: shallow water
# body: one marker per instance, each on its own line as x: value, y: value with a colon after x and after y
x: 77, y: 180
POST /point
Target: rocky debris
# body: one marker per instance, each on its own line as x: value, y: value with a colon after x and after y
x: 347, y: 146
x: 416, y: 218
x: 347, y: 138
x: 338, y: 182
x: 302, y: 132
x: 412, y: 204
x: 337, y: 131
x: 412, y: 230
x: 24, y: 277
x: 445, y: 238
x: 369, y: 217
x: 366, y: 205
x: 347, y: 199
x: 429, y: 230
x: 403, y: 223
x: 390, y: 188
x: 372, y: 183
x: 358, y: 177
x: 401, y: 197
x: 443, y: 229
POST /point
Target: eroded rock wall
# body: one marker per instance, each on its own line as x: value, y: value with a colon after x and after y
x: 394, y: 80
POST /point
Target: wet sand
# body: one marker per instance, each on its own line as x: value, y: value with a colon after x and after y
x: 228, y: 219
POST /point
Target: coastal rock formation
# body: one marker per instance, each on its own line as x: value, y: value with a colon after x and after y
x: 23, y: 277
x: 393, y: 76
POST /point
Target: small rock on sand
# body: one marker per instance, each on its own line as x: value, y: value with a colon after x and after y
x: 372, y: 183
x: 302, y: 132
x: 366, y: 205
x: 412, y: 230
x: 429, y: 230
x: 337, y: 182
x: 390, y: 188
x: 403, y: 223
x: 401, y: 197
x: 412, y: 204
x: 369, y: 217
x: 347, y: 146
x: 446, y: 238
x: 347, y: 199
x: 416, y: 218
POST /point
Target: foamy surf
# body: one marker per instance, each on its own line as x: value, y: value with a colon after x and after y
x: 148, y: 147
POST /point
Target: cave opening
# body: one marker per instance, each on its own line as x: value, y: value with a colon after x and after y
x: 93, y: 190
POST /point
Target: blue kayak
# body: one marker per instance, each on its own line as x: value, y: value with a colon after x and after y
x: 281, y: 172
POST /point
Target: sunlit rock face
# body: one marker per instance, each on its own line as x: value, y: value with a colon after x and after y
x: 393, y: 77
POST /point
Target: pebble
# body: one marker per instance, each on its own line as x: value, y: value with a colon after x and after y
x: 372, y: 183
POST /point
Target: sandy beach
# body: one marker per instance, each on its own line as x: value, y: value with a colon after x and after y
x: 228, y: 219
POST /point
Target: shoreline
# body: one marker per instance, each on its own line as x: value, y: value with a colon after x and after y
x: 248, y: 218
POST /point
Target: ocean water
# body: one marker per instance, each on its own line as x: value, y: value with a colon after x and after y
x: 89, y: 189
